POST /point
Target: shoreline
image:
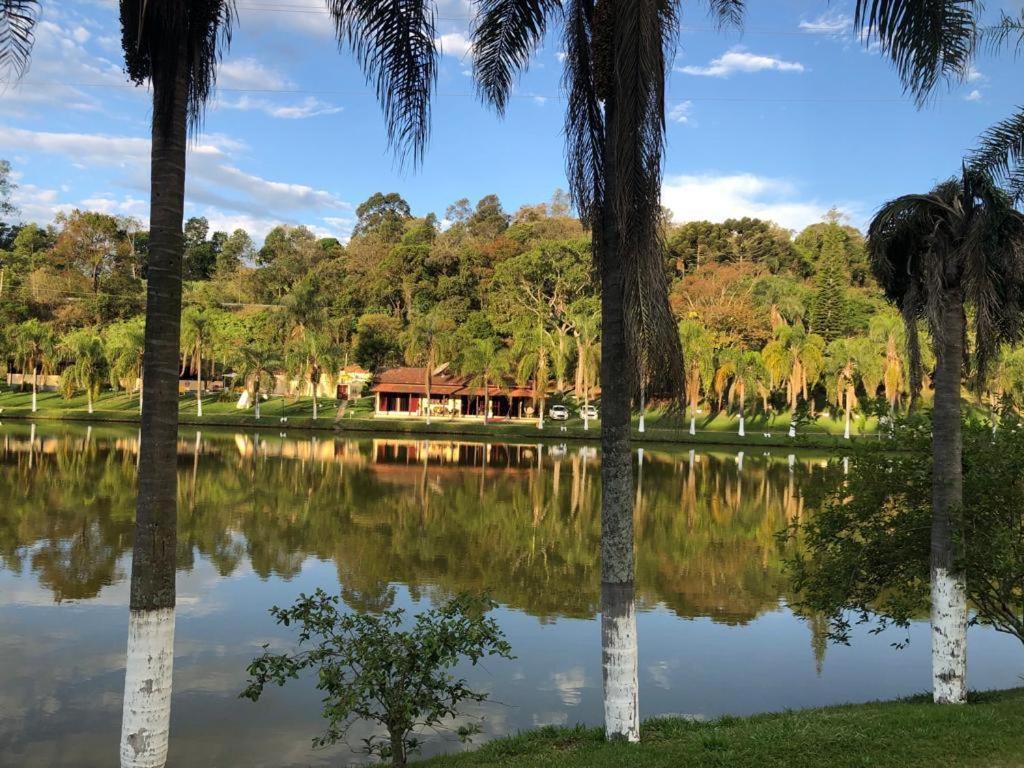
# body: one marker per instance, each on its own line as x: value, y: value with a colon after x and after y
x: 359, y: 425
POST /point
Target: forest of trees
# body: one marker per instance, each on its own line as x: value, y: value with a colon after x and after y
x: 769, y: 320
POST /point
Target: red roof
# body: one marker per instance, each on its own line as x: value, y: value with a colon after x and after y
x: 411, y: 380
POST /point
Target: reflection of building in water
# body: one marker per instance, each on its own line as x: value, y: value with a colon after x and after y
x: 443, y: 453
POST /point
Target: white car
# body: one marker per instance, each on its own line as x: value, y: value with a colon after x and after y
x: 588, y: 412
x: 559, y: 413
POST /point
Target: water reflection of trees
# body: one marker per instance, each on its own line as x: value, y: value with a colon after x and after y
x: 436, y: 516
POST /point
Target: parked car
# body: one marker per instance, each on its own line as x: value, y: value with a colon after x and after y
x: 588, y: 412
x: 559, y: 413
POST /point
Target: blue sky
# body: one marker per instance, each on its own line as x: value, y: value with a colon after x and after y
x: 782, y: 121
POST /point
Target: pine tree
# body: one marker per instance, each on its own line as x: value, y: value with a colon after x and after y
x: 829, y: 310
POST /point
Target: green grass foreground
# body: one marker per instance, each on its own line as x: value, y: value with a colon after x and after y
x: 661, y: 427
x: 911, y: 733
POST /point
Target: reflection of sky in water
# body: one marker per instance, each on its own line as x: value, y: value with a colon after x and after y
x: 62, y: 665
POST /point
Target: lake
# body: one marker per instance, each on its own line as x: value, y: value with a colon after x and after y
x: 404, y: 523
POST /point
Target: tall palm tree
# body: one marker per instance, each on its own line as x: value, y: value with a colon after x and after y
x: 742, y: 372
x: 795, y: 357
x: 307, y: 357
x: 88, y: 368
x: 699, y: 354
x: 173, y: 45
x: 850, y: 362
x: 587, y: 334
x: 886, y: 331
x: 196, y: 338
x: 960, y: 245
x: 532, y: 346
x: 125, y: 345
x: 428, y: 341
x: 616, y: 58
x: 484, y: 362
x: 35, y: 348
x: 256, y: 366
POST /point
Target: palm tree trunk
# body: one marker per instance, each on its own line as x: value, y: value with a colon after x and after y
x: 847, y: 404
x: 151, y: 634
x: 35, y: 387
x: 948, y: 592
x: 199, y: 384
x: 88, y: 399
x: 618, y: 618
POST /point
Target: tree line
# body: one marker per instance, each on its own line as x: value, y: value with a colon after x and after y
x: 769, y: 320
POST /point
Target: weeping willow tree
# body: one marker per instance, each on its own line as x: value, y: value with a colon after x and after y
x: 617, y: 54
x: 959, y: 246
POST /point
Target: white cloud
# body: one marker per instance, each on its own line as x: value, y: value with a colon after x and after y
x: 681, y: 112
x: 250, y: 74
x: 539, y: 100
x: 80, y: 35
x: 974, y: 95
x: 716, y: 198
x: 832, y: 23
x: 308, y: 107
x: 213, y: 181
x: 739, y: 60
x: 455, y: 44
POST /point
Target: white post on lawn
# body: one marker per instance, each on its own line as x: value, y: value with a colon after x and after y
x: 146, y: 717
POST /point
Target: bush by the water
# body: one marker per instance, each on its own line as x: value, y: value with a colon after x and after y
x: 864, y: 557
x: 370, y: 668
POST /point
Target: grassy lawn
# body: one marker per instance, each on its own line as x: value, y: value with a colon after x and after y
x: 661, y: 426
x: 912, y: 733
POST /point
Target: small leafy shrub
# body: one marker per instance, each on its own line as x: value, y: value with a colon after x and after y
x: 864, y: 556
x: 370, y: 668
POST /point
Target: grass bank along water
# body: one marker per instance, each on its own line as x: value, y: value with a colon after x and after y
x: 660, y: 426
x: 912, y: 733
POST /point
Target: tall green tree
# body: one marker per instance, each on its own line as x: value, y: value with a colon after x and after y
x: 829, y: 314
x: 35, y: 348
x: 959, y: 246
x: 485, y: 362
x: 125, y: 346
x: 741, y: 372
x: 615, y: 71
x: 255, y: 366
x: 699, y: 356
x: 196, y: 340
x: 88, y: 364
x: 429, y: 341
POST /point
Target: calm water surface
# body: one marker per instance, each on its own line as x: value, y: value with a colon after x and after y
x: 264, y: 517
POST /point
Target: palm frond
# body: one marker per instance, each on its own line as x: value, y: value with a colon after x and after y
x: 584, y: 117
x: 1001, y: 153
x: 927, y: 40
x: 997, y: 36
x: 393, y: 40
x: 643, y: 31
x: 17, y: 25
x: 727, y: 13
x: 153, y: 33
x: 505, y: 35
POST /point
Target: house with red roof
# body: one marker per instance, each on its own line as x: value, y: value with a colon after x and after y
x: 403, y: 392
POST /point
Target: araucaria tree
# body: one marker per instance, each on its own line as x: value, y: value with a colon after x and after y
x: 959, y: 247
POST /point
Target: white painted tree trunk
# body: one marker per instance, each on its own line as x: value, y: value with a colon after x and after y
x: 146, y: 716
x: 88, y: 400
x: 693, y: 425
x: 949, y: 637
x: 846, y: 430
x: 743, y: 429
x: 792, y: 429
x: 35, y: 377
x: 619, y: 662
x: 256, y: 405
